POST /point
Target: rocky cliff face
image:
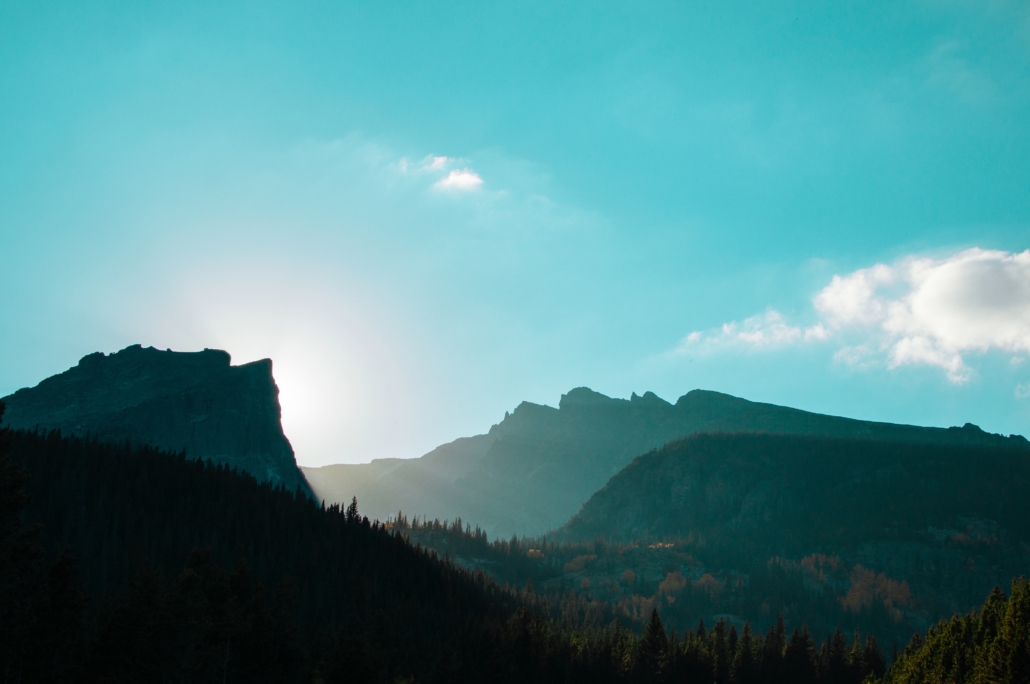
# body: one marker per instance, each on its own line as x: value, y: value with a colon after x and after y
x: 534, y: 469
x: 194, y: 402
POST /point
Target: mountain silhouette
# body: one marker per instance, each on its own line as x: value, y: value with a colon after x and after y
x: 532, y: 471
x: 195, y: 402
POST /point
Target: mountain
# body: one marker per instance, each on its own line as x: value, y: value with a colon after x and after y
x: 195, y: 402
x: 531, y: 472
x: 916, y: 531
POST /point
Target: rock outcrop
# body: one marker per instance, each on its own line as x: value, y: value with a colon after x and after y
x: 192, y: 402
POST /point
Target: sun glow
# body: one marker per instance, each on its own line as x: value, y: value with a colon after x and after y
x: 332, y: 360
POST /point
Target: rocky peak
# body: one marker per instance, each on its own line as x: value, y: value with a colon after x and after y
x: 196, y: 402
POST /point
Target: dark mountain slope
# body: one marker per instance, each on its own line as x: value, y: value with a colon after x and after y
x: 533, y: 470
x: 949, y: 521
x: 194, y: 402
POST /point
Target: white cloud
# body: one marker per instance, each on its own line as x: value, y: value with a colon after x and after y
x: 939, y: 309
x: 1023, y: 390
x: 920, y: 311
x: 460, y: 179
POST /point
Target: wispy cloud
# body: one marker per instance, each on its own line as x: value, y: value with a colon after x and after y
x: 765, y: 331
x: 919, y: 311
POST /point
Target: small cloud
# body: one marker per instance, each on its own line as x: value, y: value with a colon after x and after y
x: 438, y: 162
x: 460, y: 179
x: 437, y: 165
x: 1023, y: 390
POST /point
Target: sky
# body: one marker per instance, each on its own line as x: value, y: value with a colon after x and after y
x: 427, y: 213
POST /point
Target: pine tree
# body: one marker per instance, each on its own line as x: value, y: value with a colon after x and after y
x: 745, y: 665
x: 799, y: 658
x: 834, y: 659
x: 873, y: 658
x: 652, y: 650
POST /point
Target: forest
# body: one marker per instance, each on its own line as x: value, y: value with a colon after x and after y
x: 124, y: 564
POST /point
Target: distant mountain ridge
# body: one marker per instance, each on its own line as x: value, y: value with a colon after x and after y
x: 531, y: 472
x: 195, y: 402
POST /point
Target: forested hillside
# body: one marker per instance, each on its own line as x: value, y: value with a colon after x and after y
x: 882, y: 531
x: 309, y: 581
x: 534, y: 469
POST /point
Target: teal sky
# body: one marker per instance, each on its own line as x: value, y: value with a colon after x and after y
x: 426, y: 213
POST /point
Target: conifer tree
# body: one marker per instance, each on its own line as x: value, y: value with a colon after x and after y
x: 652, y: 649
x: 873, y: 658
x: 799, y: 658
x: 745, y: 664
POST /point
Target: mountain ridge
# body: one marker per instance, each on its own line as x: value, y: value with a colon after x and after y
x: 531, y: 472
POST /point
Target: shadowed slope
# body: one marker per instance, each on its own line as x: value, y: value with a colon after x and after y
x: 949, y: 520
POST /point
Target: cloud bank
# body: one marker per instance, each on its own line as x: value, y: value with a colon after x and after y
x: 919, y: 311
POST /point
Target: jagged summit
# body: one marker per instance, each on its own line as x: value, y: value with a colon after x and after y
x: 584, y: 396
x: 195, y: 402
